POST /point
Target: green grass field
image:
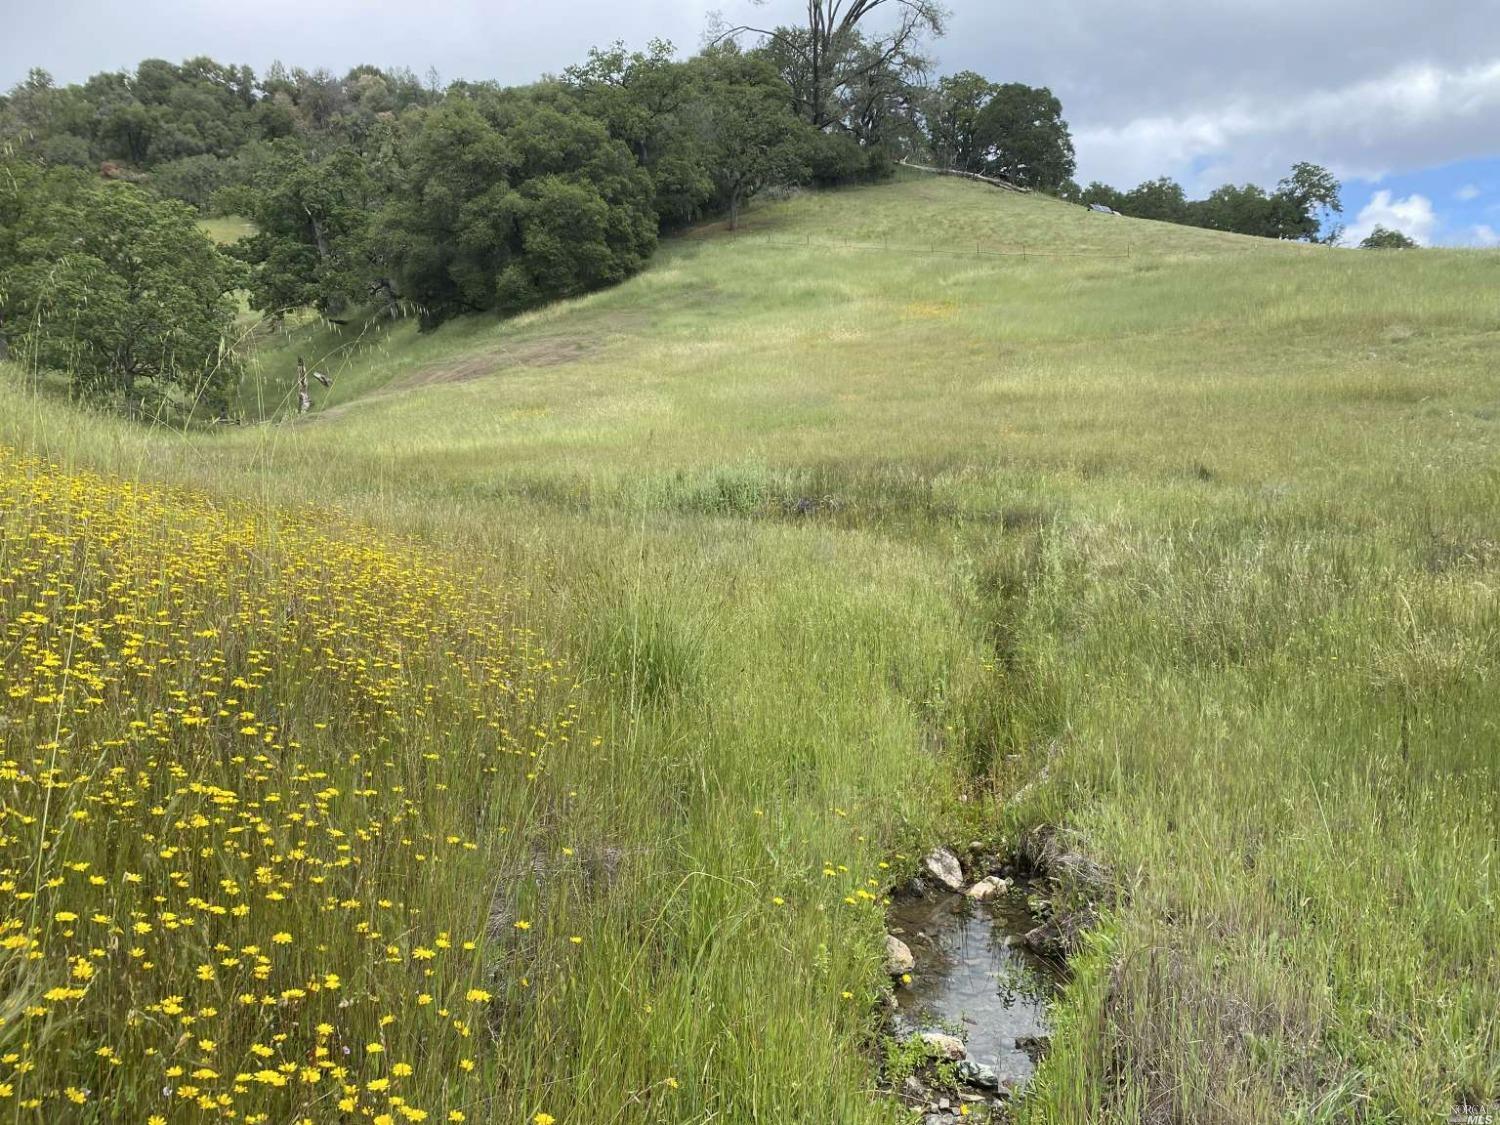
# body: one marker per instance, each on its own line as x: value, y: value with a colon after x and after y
x: 226, y: 229
x: 925, y: 511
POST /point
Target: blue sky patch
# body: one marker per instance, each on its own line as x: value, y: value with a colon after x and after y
x: 1454, y: 204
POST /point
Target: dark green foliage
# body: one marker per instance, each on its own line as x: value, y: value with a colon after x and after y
x: 62, y: 149
x: 879, y: 100
x: 845, y: 77
x: 1020, y: 135
x: 373, y: 184
x: 787, y: 50
x: 1161, y: 199
x: 163, y: 113
x: 1295, y: 210
x: 1010, y: 130
x: 1244, y: 209
x: 830, y: 64
x: 311, y: 218
x: 1383, y: 238
x: 451, y: 230
x: 47, y: 121
x: 1305, y: 196
x: 1017, y: 132
x: 951, y: 115
x: 111, y: 286
x: 503, y: 200
x: 19, y: 187
x: 648, y: 101
x: 195, y: 180
x: 586, y: 218
x: 753, y: 137
x: 1097, y: 192
x: 835, y: 158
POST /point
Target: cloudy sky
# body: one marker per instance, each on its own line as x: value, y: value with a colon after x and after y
x: 1401, y: 98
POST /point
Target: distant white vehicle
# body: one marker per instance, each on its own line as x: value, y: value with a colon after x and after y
x: 1103, y: 210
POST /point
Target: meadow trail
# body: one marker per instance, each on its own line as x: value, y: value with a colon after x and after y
x: 793, y: 563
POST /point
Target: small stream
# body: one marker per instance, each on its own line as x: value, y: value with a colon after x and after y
x: 973, y: 972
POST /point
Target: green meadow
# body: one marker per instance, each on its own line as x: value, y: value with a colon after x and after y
x: 929, y: 512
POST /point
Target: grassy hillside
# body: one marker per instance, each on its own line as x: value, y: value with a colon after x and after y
x: 900, y: 496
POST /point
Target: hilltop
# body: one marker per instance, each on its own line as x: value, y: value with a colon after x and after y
x: 907, y: 513
x: 789, y: 259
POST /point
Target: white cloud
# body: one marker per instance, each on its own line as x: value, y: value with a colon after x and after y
x: 1486, y: 236
x: 1413, y: 116
x: 1467, y: 192
x: 1412, y: 216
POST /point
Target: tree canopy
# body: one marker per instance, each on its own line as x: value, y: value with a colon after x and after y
x: 311, y: 218
x: 502, y: 199
x: 1298, y: 209
x: 111, y: 286
x: 1020, y: 135
x: 376, y: 184
x: 826, y: 59
x: 650, y: 103
x: 471, y: 197
x: 1009, y: 130
x: 753, y: 138
x: 951, y: 117
x: 1383, y: 238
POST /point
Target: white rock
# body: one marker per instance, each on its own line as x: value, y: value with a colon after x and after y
x: 943, y: 866
x: 986, y: 888
x: 898, y: 958
x: 946, y: 1046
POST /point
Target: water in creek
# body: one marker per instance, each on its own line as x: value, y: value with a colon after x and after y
x: 967, y: 974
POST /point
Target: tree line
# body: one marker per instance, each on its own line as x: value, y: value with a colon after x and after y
x: 371, y: 187
x: 1018, y: 133
x: 1295, y: 209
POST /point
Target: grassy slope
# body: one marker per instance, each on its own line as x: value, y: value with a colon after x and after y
x: 1204, y: 526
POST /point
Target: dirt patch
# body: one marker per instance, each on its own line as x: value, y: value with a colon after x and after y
x: 555, y: 350
x: 547, y: 351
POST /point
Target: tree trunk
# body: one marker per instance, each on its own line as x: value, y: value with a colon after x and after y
x: 317, y: 233
x: 814, y: 44
x: 133, y: 406
x: 304, y: 400
x: 388, y: 291
x: 734, y: 210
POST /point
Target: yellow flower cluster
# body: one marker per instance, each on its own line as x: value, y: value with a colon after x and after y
x: 245, y: 757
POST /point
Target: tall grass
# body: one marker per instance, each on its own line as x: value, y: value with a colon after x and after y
x: 1194, y: 531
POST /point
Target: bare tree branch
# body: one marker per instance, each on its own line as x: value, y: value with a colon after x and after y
x: 779, y: 36
x: 833, y: 48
